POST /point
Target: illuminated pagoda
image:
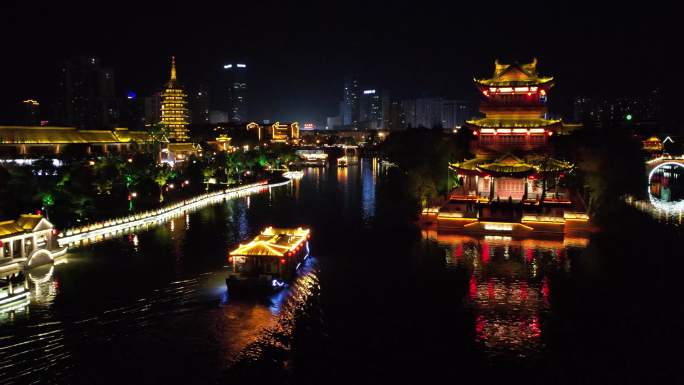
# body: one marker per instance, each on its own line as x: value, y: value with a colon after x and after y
x: 512, y: 151
x: 174, y: 111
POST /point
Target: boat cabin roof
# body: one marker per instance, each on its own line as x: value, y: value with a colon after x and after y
x: 275, y: 242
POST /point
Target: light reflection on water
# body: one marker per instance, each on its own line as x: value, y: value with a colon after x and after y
x: 509, y: 287
x: 173, y: 288
x: 369, y: 170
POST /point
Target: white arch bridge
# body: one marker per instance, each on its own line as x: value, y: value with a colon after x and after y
x: 663, y: 163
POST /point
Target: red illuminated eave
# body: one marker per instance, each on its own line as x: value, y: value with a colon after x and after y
x: 539, y: 89
x: 512, y: 131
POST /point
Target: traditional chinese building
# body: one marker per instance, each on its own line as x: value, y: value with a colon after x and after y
x: 37, y: 141
x: 174, y: 108
x: 512, y: 185
x: 278, y: 132
x: 512, y: 148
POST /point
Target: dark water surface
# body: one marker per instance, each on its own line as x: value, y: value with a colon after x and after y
x: 379, y: 302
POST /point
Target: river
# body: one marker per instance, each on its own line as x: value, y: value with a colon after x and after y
x: 379, y: 302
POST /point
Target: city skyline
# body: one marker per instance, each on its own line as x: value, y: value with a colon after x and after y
x: 339, y: 192
x: 296, y: 73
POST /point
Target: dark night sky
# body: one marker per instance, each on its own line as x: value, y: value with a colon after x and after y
x: 299, y: 54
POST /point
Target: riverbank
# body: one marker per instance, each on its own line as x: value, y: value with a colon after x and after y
x: 92, y: 232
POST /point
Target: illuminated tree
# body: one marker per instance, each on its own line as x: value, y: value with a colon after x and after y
x: 161, y: 176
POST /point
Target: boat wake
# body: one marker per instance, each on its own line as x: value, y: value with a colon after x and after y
x: 298, y: 307
x: 44, y: 348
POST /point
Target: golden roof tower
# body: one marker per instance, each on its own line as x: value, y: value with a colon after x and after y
x: 174, y: 111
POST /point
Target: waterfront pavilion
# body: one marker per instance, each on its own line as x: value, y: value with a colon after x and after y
x: 21, y: 237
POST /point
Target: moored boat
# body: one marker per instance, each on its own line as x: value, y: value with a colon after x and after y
x: 268, y: 262
x: 14, y: 291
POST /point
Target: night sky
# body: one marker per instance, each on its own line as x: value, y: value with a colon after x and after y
x: 298, y: 55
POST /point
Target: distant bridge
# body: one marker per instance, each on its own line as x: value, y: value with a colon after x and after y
x: 652, y: 166
x: 656, y: 163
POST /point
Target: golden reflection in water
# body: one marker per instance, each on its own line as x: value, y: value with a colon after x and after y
x: 43, y: 286
x: 342, y: 175
x: 508, y: 288
x: 243, y: 323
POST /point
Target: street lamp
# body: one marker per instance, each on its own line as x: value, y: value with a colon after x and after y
x: 131, y: 196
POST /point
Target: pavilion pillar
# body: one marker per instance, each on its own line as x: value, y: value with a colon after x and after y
x: 11, y: 249
x: 23, y: 249
x: 491, y: 188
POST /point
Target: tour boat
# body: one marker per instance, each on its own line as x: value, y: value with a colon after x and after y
x: 14, y: 291
x: 268, y: 262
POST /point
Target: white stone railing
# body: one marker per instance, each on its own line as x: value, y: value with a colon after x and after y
x: 114, y: 225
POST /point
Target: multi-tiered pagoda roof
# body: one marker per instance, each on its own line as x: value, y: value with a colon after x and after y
x: 174, y: 111
x: 515, y: 75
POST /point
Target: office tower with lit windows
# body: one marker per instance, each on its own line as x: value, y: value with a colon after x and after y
x: 31, y: 112
x: 455, y: 113
x: 394, y: 116
x: 174, y: 111
x: 370, y: 109
x: 350, y: 103
x: 87, y: 97
x: 199, y: 105
x: 423, y: 112
x: 235, y: 87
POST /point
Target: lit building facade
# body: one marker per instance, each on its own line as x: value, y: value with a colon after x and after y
x: 236, y: 90
x: 455, y: 113
x: 31, y: 111
x: 644, y: 110
x: 278, y: 132
x: 199, y: 105
x: 371, y: 109
x: 27, y: 142
x: 423, y: 112
x: 87, y: 99
x: 174, y: 110
x: 350, y: 111
x: 512, y: 155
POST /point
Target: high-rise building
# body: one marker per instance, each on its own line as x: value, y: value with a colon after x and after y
x: 396, y: 120
x: 132, y: 112
x: 87, y: 94
x: 199, y: 105
x: 455, y: 113
x: 435, y: 112
x: 174, y: 111
x: 423, y: 112
x: 153, y: 109
x: 637, y: 110
x: 332, y: 122
x: 235, y: 87
x: 218, y: 116
x: 350, y: 103
x: 370, y: 109
x: 31, y: 112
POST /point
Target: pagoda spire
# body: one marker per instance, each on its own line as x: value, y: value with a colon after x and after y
x: 173, y: 68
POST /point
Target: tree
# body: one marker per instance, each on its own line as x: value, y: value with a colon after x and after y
x: 161, y: 175
x: 208, y: 173
x: 48, y: 201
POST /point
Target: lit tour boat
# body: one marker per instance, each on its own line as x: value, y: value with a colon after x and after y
x: 14, y: 291
x: 268, y: 262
